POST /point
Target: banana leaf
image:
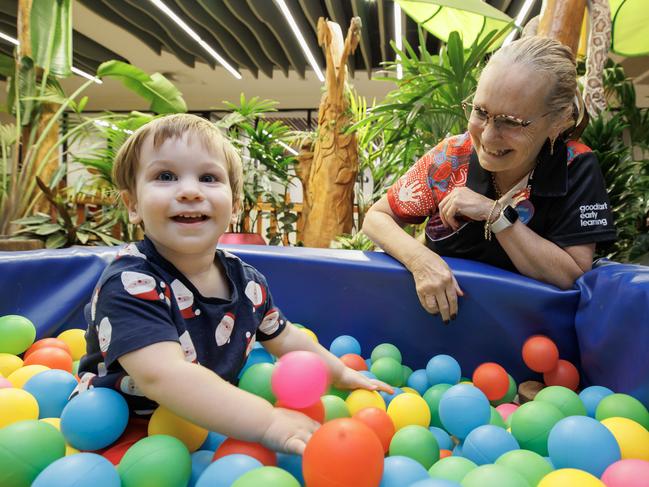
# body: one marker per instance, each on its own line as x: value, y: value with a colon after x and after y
x: 51, y: 35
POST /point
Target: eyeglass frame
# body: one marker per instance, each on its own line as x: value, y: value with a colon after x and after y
x: 522, y: 123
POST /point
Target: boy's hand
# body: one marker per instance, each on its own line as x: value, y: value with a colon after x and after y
x: 289, y: 431
x: 352, y: 379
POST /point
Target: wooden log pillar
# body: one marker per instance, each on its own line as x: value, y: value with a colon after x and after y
x: 562, y: 20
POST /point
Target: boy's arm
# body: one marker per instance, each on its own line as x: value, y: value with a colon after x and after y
x: 199, y: 395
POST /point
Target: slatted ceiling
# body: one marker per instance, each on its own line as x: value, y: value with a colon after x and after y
x: 360, y: 9
x: 313, y: 11
x: 383, y: 37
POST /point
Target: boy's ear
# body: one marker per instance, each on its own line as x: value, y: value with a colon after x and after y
x: 131, y: 206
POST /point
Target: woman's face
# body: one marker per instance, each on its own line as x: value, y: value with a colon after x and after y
x: 520, y: 92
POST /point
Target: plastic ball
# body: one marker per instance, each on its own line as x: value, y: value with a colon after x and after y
x: 255, y: 450
x: 443, y: 453
x: 20, y: 376
x: 407, y: 372
x: 435, y: 483
x: 622, y: 406
x: 164, y: 422
x: 418, y: 380
x: 443, y: 438
x: 443, y: 369
x: 410, y: 390
x: 94, y: 419
x: 564, y: 374
x: 570, y: 477
x: 540, y: 353
x: 354, y: 361
x: 592, y: 396
x: 79, y: 469
x: 379, y: 422
x: 531, y: 425
x: 315, y: 411
x: 56, y: 422
x: 75, y: 338
x: 292, y: 464
x: 506, y: 410
x: 224, y: 471
x: 400, y: 470
x: 310, y: 334
x: 368, y: 374
x: 16, y: 405
x: 343, y: 452
x: 268, y: 477
x: 156, y: 461
x: 463, y: 408
x: 563, y: 398
x: 335, y: 408
x: 341, y: 393
x: 201, y: 459
x: 631, y: 436
x: 583, y: 443
x: 451, y: 468
x: 4, y: 383
x: 386, y: 350
x: 491, y: 379
x: 432, y: 397
x: 51, y: 389
x: 256, y: 356
x: 387, y: 369
x: 257, y: 381
x: 47, y: 343
x: 416, y: 442
x: 485, y: 444
x: 531, y: 466
x: 9, y: 363
x: 213, y: 441
x: 345, y: 344
x: 512, y: 390
x: 493, y: 475
x: 300, y: 378
x: 409, y: 409
x: 387, y: 397
x: 496, y: 419
x: 17, y: 333
x: 26, y: 448
x: 627, y: 473
x: 362, y: 398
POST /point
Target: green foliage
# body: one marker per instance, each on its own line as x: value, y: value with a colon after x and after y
x: 359, y: 241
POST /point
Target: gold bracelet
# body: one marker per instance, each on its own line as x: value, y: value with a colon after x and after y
x: 487, y: 222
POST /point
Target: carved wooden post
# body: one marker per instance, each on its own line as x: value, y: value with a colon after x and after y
x: 562, y: 20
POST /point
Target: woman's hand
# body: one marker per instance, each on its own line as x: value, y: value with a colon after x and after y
x: 466, y: 203
x: 352, y: 379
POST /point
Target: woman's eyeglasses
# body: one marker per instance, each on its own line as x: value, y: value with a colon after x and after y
x: 502, y: 122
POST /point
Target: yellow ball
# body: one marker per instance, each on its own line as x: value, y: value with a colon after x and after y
x: 23, y: 374
x: 570, y: 477
x: 312, y: 335
x: 56, y: 422
x: 362, y: 398
x: 410, y: 390
x: 76, y: 340
x: 406, y: 409
x: 164, y: 422
x: 9, y: 363
x: 16, y: 405
x: 631, y: 436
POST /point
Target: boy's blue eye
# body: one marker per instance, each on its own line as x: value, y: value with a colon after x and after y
x: 208, y: 178
x: 166, y: 176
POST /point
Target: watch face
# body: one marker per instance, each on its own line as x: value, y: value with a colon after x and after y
x: 510, y: 213
x: 525, y: 210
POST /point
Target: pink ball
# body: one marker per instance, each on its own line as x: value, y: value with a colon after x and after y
x: 299, y: 379
x: 627, y: 473
x: 5, y: 383
x: 506, y: 410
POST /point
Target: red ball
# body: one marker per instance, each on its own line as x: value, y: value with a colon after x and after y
x: 343, y: 452
x: 491, y: 379
x: 47, y: 342
x: 379, y: 422
x: 540, y: 353
x: 54, y: 358
x: 315, y: 411
x: 256, y: 450
x: 444, y: 453
x: 354, y: 361
x: 564, y: 374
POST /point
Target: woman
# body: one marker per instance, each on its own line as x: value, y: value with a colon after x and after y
x: 510, y: 192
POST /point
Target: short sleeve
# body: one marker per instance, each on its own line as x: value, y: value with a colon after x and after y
x: 273, y: 320
x: 584, y: 214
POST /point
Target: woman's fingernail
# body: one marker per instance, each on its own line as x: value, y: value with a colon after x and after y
x: 446, y: 322
x: 453, y: 316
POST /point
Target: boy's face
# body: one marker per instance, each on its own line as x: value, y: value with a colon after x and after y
x: 182, y: 195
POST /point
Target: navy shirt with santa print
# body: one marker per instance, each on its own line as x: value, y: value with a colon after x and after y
x: 142, y: 299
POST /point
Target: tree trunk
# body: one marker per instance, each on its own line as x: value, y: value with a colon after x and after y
x: 562, y: 20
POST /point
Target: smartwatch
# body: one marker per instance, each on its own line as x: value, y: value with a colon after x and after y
x: 507, y: 218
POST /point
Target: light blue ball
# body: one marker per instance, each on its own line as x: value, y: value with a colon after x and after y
x: 224, y: 471
x: 388, y: 397
x: 368, y: 362
x: 257, y: 356
x: 51, y: 389
x: 443, y: 438
x: 94, y: 419
x: 435, y: 483
x: 584, y: 443
x: 368, y: 374
x: 201, y: 459
x: 463, y: 408
x: 292, y: 464
x: 345, y: 344
x: 443, y: 369
x: 399, y: 471
x: 591, y: 397
x: 486, y: 443
x: 418, y: 380
x: 457, y: 451
x: 213, y: 441
x: 79, y: 470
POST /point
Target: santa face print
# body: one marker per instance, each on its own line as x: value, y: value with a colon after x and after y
x: 132, y: 250
x: 224, y: 330
x: 255, y: 293
x: 104, y: 332
x: 250, y: 342
x: 270, y: 323
x: 93, y: 304
x: 188, y: 347
x: 184, y: 299
x: 140, y: 285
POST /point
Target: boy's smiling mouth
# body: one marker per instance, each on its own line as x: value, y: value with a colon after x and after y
x: 189, y: 218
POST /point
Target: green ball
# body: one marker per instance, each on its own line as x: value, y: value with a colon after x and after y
x: 268, y: 477
x: 451, y: 468
x: 256, y: 380
x: 341, y: 393
x: 568, y: 402
x: 335, y: 407
x: 432, y: 397
x: 26, y: 448
x: 496, y: 419
x: 512, y: 390
x: 386, y: 350
x: 494, y: 475
x: 407, y: 372
x: 75, y: 367
x: 17, y: 334
x: 388, y: 370
x: 415, y: 442
x: 623, y: 406
x: 531, y: 424
x: 532, y: 466
x: 156, y: 461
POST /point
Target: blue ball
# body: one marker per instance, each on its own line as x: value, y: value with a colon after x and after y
x: 368, y: 374
x: 368, y: 362
x: 388, y: 397
x: 201, y: 459
x: 486, y: 443
x: 435, y: 483
x: 345, y: 344
x: 224, y: 471
x: 79, y: 469
x: 94, y: 419
x: 51, y: 389
x: 457, y: 451
x: 292, y: 464
x: 399, y: 471
x: 443, y: 369
x: 591, y: 397
x: 213, y: 441
x: 443, y: 438
x: 463, y: 408
x: 584, y: 443
x: 418, y: 380
x: 257, y: 356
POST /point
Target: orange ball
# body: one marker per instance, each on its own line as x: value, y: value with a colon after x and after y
x: 316, y: 411
x: 445, y: 453
x: 52, y: 357
x: 354, y: 361
x: 540, y: 353
x: 255, y: 450
x: 47, y: 342
x: 564, y: 374
x: 491, y: 379
x: 343, y: 451
x: 379, y: 422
